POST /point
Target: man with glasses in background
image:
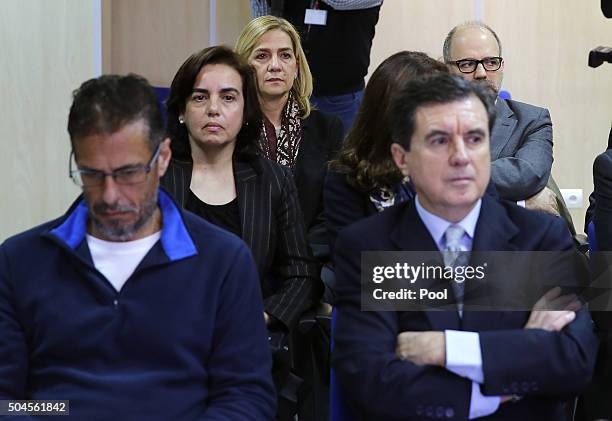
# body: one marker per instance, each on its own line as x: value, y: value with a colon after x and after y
x: 127, y: 306
x: 522, y: 138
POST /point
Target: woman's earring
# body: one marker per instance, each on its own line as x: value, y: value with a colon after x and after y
x: 181, y: 120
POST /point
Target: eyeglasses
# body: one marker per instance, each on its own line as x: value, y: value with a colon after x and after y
x: 125, y: 176
x: 469, y: 65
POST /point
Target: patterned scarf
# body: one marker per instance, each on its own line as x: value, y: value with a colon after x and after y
x: 284, y: 147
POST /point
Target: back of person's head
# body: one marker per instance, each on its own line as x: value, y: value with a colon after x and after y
x: 182, y: 88
x: 104, y: 105
x: 366, y: 156
x: 432, y: 90
x: 249, y: 39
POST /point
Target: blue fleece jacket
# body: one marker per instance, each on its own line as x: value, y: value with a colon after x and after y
x: 184, y: 339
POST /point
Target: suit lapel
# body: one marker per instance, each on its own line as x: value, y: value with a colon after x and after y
x: 502, y: 129
x: 245, y: 177
x: 178, y: 180
x: 411, y: 234
x: 494, y: 232
x: 253, y: 205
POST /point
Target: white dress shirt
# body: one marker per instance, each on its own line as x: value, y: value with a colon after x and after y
x: 463, y: 353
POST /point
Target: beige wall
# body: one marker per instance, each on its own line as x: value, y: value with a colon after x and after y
x: 153, y: 37
x: 232, y: 16
x: 545, y: 46
x: 417, y: 25
x: 47, y: 51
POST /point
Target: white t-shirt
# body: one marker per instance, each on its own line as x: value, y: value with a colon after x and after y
x: 118, y: 260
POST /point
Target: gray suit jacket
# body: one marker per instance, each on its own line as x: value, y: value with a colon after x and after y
x: 521, y: 149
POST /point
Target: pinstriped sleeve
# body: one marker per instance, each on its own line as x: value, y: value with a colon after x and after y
x: 293, y: 266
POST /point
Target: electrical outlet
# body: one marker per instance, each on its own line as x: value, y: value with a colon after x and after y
x: 572, y: 197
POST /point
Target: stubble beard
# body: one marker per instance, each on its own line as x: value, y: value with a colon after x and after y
x: 118, y: 232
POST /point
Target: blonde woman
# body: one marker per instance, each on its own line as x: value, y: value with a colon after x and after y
x: 292, y: 133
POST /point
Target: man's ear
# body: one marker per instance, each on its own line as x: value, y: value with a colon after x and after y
x: 400, y: 157
x: 164, y: 157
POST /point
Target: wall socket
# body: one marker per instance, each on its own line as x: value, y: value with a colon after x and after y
x: 572, y: 197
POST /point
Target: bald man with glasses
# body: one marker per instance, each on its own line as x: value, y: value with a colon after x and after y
x: 521, y: 140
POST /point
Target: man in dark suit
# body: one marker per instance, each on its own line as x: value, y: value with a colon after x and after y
x: 521, y: 139
x: 599, y: 170
x: 602, y: 180
x: 595, y: 404
x: 454, y: 365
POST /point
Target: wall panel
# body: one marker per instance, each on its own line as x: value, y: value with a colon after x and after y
x: 153, y: 37
x: 232, y: 16
x: 418, y: 25
x: 47, y: 51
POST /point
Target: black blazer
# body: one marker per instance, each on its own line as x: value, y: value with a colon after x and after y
x: 545, y: 367
x: 344, y: 204
x: 271, y: 225
x: 321, y: 140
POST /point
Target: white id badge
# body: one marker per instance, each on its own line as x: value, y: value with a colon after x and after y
x: 315, y: 17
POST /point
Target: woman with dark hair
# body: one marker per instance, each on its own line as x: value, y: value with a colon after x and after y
x: 217, y: 172
x: 292, y: 133
x: 364, y: 180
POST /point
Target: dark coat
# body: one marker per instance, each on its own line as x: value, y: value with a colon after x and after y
x: 271, y: 225
x: 321, y: 140
x: 545, y: 367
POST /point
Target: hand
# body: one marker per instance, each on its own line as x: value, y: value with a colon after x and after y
x: 422, y: 348
x: 553, y: 320
x: 545, y: 200
x: 266, y: 318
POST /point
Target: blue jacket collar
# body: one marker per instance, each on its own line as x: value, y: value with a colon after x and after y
x: 175, y: 238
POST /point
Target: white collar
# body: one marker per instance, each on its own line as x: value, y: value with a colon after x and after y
x: 437, y: 226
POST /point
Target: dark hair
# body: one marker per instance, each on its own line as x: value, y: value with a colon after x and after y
x: 365, y: 157
x: 106, y: 104
x: 182, y: 88
x: 436, y: 89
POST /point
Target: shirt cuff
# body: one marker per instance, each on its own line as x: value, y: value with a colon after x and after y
x: 521, y: 203
x: 480, y: 405
x: 463, y: 354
